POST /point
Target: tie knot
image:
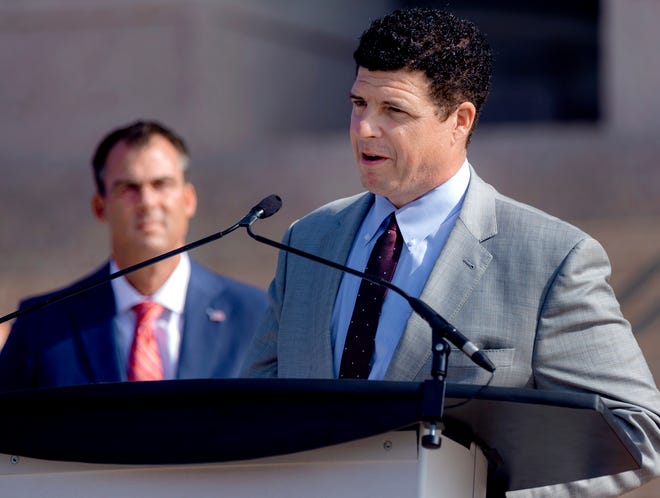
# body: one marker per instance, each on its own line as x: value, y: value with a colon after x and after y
x: 388, y: 245
x: 392, y: 225
x: 391, y: 222
x: 147, y: 311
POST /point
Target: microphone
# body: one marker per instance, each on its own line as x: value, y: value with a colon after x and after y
x: 437, y: 322
x: 267, y: 207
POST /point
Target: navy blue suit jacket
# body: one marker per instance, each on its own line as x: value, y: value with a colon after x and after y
x: 72, y: 341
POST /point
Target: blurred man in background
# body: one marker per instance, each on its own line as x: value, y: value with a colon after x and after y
x: 170, y: 320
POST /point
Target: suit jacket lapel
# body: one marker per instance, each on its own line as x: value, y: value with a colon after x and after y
x: 197, y: 357
x: 335, y: 246
x: 93, y: 322
x: 455, y: 275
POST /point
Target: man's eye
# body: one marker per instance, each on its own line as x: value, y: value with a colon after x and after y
x: 164, y: 183
x: 124, y: 188
x: 359, y: 103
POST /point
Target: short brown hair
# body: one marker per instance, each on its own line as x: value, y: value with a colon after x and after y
x: 135, y: 134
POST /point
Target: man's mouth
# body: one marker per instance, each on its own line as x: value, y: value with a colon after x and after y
x: 148, y: 224
x: 372, y: 157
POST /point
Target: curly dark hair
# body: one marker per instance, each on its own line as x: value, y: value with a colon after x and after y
x: 135, y: 134
x: 452, y: 52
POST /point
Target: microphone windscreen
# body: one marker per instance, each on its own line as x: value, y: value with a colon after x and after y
x: 268, y: 206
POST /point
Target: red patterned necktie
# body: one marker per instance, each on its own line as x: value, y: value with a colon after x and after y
x: 144, y: 362
x: 361, y: 334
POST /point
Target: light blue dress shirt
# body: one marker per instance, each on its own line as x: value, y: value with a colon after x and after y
x: 169, y: 325
x: 425, y: 225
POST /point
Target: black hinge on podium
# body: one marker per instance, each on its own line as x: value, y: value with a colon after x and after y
x: 434, y: 394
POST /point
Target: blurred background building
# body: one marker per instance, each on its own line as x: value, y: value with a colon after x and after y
x: 260, y: 90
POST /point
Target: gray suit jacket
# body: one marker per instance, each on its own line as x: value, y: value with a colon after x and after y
x: 529, y: 289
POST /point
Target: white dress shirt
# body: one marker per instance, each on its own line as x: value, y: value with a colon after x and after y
x: 169, y: 326
x: 425, y: 225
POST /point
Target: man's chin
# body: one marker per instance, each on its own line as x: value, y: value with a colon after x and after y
x: 150, y: 247
x: 375, y: 185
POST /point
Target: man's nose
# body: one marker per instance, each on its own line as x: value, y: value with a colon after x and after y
x: 366, y: 125
x: 148, y: 195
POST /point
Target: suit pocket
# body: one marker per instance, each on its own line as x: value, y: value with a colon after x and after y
x: 500, y: 357
x: 463, y: 370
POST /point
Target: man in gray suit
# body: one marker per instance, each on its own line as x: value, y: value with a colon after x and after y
x: 527, y: 288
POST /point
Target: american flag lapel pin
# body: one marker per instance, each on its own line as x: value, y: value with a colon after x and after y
x: 216, y: 315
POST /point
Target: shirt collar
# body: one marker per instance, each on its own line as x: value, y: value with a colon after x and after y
x: 171, y: 295
x: 424, y: 216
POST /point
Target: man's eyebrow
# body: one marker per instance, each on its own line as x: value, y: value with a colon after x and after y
x: 389, y: 102
x: 134, y: 182
x: 124, y: 181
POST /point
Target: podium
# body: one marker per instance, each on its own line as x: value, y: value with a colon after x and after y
x: 278, y: 437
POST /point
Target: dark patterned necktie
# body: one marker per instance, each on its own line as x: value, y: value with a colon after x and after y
x: 361, y: 334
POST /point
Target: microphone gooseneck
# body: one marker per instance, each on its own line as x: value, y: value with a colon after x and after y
x: 436, y: 322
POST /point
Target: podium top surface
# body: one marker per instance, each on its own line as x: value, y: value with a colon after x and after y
x: 533, y: 437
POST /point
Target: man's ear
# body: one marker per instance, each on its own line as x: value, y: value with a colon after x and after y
x: 191, y: 199
x: 98, y: 206
x: 465, y: 115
